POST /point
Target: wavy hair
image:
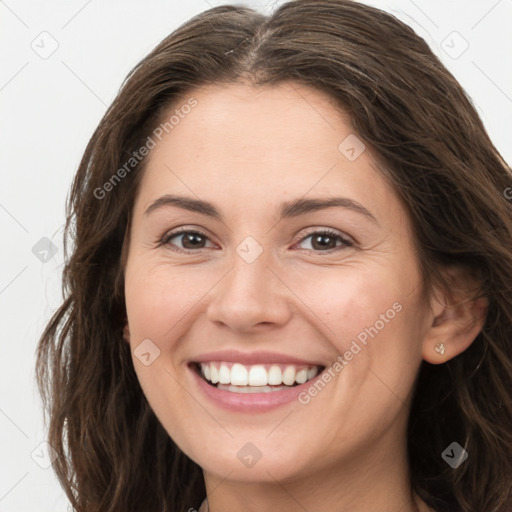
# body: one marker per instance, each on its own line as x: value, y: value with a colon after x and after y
x: 114, y: 455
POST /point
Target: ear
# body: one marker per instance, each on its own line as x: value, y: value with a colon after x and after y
x: 458, y: 317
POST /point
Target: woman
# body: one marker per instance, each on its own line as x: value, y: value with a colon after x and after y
x: 291, y: 280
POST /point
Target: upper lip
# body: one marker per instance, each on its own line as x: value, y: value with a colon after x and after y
x: 248, y: 358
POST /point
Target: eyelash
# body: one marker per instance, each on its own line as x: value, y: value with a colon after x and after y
x: 167, y: 237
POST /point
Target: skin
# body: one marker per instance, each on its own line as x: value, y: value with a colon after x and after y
x: 247, y: 150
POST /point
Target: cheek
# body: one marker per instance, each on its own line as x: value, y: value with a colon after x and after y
x: 348, y: 300
x: 157, y: 302
x: 370, y: 316
x: 159, y: 298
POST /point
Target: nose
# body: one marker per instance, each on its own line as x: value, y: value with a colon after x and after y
x: 248, y: 297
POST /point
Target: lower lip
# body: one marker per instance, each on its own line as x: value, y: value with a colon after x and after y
x: 250, y: 402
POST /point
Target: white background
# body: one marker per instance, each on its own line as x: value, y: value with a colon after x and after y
x: 49, y: 109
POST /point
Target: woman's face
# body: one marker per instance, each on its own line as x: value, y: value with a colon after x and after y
x: 259, y: 286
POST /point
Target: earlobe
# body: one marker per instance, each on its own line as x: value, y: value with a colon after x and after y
x: 453, y: 330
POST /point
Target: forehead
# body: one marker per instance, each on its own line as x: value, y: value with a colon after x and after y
x: 257, y: 145
x: 240, y: 117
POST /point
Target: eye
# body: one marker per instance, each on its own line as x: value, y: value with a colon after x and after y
x: 325, y: 240
x: 189, y: 240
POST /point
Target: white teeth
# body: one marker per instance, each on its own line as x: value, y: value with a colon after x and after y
x: 250, y: 389
x: 259, y: 376
x: 312, y: 372
x: 289, y: 376
x: 301, y: 376
x: 275, y: 376
x: 224, y: 374
x: 239, y: 375
x: 214, y: 374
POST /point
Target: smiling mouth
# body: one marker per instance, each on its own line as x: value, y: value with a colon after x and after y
x: 258, y: 378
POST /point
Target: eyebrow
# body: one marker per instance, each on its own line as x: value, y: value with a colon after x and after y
x: 288, y: 209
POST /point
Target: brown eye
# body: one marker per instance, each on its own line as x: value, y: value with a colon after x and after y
x: 192, y: 240
x: 186, y: 240
x: 319, y: 242
x: 323, y: 241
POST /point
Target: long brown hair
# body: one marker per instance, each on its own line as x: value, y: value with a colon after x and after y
x: 114, y: 455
